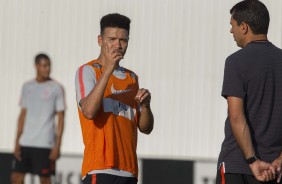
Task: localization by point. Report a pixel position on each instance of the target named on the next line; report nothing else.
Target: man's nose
(117, 43)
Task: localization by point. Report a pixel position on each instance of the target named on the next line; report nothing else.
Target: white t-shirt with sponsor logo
(42, 100)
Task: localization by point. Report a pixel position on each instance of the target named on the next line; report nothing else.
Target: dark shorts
(35, 161)
(227, 178)
(108, 179)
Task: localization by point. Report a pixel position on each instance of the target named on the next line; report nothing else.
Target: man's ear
(100, 40)
(244, 27)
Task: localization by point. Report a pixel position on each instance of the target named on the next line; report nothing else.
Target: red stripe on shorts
(81, 84)
(93, 181)
(222, 174)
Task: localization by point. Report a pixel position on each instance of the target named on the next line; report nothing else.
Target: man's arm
(239, 125)
(146, 121)
(90, 105)
(262, 171)
(55, 152)
(17, 151)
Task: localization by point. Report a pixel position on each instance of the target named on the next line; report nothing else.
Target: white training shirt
(42, 100)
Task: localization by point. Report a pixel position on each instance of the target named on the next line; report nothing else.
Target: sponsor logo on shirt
(117, 92)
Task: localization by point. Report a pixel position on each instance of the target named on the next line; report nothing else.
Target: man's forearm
(20, 125)
(146, 121)
(60, 129)
(242, 134)
(239, 125)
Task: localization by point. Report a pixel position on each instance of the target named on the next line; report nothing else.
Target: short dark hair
(252, 12)
(115, 20)
(40, 56)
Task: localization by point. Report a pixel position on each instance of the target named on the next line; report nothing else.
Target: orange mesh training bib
(110, 139)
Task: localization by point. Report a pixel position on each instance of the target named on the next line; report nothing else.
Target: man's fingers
(144, 97)
(142, 94)
(17, 154)
(267, 177)
(18, 157)
(107, 46)
(279, 177)
(272, 169)
(270, 172)
(278, 168)
(142, 91)
(52, 157)
(261, 177)
(113, 55)
(118, 57)
(271, 175)
(278, 172)
(139, 94)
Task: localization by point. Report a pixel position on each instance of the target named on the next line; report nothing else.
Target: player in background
(38, 139)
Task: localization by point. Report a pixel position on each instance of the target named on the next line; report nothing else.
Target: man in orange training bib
(111, 107)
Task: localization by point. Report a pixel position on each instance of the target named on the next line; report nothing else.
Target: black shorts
(227, 178)
(108, 179)
(35, 161)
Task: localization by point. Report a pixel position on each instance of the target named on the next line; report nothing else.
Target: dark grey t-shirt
(254, 74)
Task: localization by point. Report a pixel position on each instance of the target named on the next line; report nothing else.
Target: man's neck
(41, 79)
(256, 38)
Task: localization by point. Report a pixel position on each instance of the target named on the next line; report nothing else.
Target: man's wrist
(252, 159)
(108, 72)
(147, 106)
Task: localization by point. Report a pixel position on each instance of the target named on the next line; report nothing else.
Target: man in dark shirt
(251, 150)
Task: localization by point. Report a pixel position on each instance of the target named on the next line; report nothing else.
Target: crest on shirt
(133, 75)
(97, 65)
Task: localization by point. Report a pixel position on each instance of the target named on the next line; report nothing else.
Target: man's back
(254, 74)
(264, 98)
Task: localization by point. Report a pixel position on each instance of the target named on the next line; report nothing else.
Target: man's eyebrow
(117, 37)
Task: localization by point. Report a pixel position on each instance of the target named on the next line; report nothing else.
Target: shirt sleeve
(23, 98)
(233, 82)
(85, 80)
(60, 99)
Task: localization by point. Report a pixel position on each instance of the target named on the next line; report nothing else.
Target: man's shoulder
(238, 54)
(89, 66)
(239, 58)
(132, 74)
(56, 84)
(29, 82)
